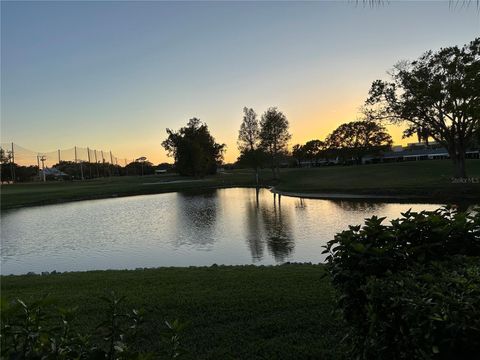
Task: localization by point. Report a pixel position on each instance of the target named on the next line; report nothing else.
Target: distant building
(53, 174)
(419, 151)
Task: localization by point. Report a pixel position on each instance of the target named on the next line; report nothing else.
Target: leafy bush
(27, 333)
(410, 290)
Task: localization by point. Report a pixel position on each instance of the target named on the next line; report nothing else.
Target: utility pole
(75, 154)
(38, 165)
(103, 163)
(12, 165)
(42, 159)
(89, 164)
(81, 170)
(59, 156)
(96, 162)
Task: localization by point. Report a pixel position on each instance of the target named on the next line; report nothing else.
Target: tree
(6, 171)
(274, 136)
(359, 138)
(438, 94)
(140, 167)
(194, 149)
(249, 133)
(314, 150)
(298, 152)
(248, 142)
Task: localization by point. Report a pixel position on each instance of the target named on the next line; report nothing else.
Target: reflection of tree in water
(358, 205)
(197, 215)
(255, 231)
(300, 204)
(278, 229)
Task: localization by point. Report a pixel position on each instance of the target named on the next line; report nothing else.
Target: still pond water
(228, 226)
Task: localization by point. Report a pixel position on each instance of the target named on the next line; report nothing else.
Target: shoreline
(44, 274)
(345, 196)
(306, 195)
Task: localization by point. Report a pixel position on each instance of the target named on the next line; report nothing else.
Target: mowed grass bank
(428, 180)
(38, 193)
(247, 312)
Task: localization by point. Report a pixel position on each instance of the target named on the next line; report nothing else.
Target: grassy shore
(427, 180)
(247, 312)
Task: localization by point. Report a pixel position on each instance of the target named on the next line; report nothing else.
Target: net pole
(96, 162)
(38, 164)
(12, 165)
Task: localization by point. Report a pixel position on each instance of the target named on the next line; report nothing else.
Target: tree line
(437, 96)
(350, 142)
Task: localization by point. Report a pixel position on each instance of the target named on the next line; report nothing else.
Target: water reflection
(197, 214)
(228, 226)
(363, 206)
(255, 230)
(280, 241)
(300, 204)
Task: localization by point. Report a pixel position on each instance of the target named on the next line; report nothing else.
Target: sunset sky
(114, 75)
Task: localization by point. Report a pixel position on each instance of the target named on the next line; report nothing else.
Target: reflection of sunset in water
(228, 226)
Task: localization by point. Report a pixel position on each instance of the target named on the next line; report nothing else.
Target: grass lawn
(428, 179)
(28, 194)
(420, 179)
(279, 312)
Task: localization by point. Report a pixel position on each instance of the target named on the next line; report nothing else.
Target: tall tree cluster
(350, 141)
(194, 149)
(264, 141)
(437, 96)
(359, 138)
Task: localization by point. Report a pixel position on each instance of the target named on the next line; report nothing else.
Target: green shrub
(396, 282)
(27, 333)
(428, 312)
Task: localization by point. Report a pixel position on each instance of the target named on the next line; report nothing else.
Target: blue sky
(114, 75)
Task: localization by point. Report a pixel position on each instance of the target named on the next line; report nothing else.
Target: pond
(225, 226)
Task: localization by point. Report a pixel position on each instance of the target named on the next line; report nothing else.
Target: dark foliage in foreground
(27, 333)
(410, 290)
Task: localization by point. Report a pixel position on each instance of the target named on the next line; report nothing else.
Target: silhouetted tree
(438, 93)
(298, 152)
(314, 150)
(88, 169)
(359, 138)
(249, 133)
(25, 173)
(274, 136)
(251, 154)
(138, 167)
(6, 171)
(195, 151)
